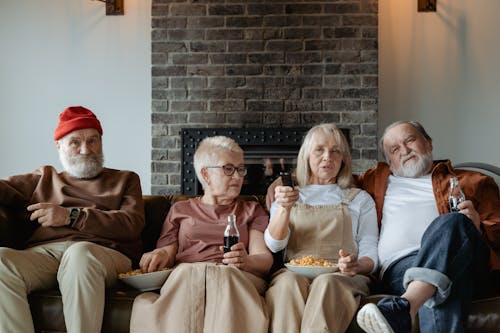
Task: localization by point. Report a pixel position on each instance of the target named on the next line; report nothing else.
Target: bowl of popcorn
(311, 266)
(145, 281)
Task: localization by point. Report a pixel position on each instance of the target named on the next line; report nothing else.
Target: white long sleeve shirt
(361, 209)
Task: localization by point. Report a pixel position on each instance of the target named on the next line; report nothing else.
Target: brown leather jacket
(480, 189)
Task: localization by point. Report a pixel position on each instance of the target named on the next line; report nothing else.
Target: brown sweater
(112, 210)
(480, 189)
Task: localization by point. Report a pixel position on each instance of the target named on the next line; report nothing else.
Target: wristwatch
(73, 215)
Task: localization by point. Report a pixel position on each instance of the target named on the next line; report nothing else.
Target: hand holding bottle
(237, 256)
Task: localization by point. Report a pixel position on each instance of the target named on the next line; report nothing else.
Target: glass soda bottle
(456, 195)
(231, 234)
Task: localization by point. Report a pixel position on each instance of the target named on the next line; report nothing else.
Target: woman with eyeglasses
(209, 290)
(328, 217)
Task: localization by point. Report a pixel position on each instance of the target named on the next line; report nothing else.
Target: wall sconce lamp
(427, 5)
(113, 7)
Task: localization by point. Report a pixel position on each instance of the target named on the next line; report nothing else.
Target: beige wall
(443, 69)
(56, 53)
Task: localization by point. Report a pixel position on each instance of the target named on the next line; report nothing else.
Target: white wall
(57, 53)
(443, 69)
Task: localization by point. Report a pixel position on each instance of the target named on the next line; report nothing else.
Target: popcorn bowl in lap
(145, 281)
(311, 266)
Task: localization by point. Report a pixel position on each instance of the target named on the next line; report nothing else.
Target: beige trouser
(326, 304)
(81, 269)
(203, 297)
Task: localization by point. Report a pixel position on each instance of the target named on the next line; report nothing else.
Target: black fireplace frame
(288, 140)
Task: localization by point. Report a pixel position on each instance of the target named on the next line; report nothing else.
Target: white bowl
(147, 281)
(311, 271)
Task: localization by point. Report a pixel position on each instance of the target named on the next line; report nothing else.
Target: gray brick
(314, 45)
(169, 47)
(159, 106)
(302, 33)
(263, 34)
(169, 118)
(319, 117)
(282, 93)
(369, 129)
(159, 130)
(322, 21)
(225, 10)
(205, 70)
(206, 94)
(244, 70)
(284, 45)
(342, 105)
(266, 58)
(170, 94)
(159, 83)
(206, 117)
(369, 32)
(159, 10)
(369, 154)
(303, 57)
(265, 9)
(245, 119)
(168, 71)
(158, 58)
(207, 46)
(321, 93)
(226, 82)
(188, 82)
(246, 46)
(245, 21)
(225, 34)
(282, 70)
(370, 81)
(227, 105)
(360, 20)
(228, 58)
(303, 9)
(369, 104)
(342, 32)
(342, 56)
(359, 44)
(303, 105)
(317, 69)
(360, 69)
(159, 179)
(205, 22)
(304, 81)
(342, 8)
(364, 142)
(169, 22)
(359, 93)
(333, 69)
(159, 167)
(165, 190)
(282, 21)
(188, 10)
(174, 179)
(187, 106)
(242, 93)
(369, 56)
(280, 119)
(265, 106)
(269, 82)
(186, 34)
(359, 117)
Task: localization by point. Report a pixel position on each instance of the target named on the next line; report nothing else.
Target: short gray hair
(303, 173)
(207, 153)
(418, 126)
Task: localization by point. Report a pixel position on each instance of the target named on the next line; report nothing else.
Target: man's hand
(49, 215)
(467, 208)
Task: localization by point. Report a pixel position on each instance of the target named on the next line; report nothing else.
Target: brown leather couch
(46, 306)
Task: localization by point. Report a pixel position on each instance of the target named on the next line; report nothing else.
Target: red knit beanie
(75, 118)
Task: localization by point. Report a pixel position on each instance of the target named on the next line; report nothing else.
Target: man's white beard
(82, 166)
(415, 169)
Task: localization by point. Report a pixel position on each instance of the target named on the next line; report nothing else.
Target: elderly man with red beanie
(89, 220)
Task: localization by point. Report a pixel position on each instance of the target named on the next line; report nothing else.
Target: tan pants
(203, 297)
(81, 269)
(326, 304)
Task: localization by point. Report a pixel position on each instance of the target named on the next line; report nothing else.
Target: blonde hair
(303, 172)
(207, 153)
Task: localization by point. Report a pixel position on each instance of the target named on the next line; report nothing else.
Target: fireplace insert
(268, 151)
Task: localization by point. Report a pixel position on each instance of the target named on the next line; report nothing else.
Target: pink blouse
(198, 228)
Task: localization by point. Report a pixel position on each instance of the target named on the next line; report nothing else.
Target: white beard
(82, 166)
(414, 169)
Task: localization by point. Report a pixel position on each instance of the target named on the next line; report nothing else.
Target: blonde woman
(325, 216)
(201, 295)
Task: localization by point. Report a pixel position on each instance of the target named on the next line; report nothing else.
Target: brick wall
(261, 63)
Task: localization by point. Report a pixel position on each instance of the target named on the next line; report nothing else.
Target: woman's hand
(286, 196)
(348, 263)
(157, 259)
(238, 256)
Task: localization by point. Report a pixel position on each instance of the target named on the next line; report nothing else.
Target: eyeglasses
(229, 169)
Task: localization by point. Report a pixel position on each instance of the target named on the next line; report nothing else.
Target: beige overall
(203, 297)
(329, 302)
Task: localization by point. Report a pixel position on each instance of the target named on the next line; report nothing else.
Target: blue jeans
(452, 257)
